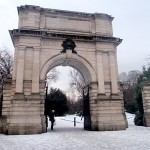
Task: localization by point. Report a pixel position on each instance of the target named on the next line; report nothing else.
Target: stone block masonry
(146, 102)
(38, 48)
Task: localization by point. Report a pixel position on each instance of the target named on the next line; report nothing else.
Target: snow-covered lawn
(67, 137)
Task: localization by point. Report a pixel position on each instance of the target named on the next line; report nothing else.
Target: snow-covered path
(67, 137)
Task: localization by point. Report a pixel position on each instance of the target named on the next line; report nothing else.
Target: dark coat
(52, 116)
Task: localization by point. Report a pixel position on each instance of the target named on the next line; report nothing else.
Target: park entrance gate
(47, 38)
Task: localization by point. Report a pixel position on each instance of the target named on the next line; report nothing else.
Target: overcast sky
(131, 23)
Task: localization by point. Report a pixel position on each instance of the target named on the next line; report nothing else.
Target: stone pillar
(15, 63)
(25, 116)
(20, 70)
(113, 75)
(42, 95)
(100, 74)
(110, 115)
(93, 105)
(146, 101)
(36, 70)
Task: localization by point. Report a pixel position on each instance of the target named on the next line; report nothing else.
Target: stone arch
(92, 52)
(75, 61)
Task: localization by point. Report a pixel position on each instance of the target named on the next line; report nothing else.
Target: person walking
(52, 118)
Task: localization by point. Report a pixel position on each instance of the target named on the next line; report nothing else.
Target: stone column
(116, 62)
(20, 70)
(36, 70)
(100, 74)
(146, 101)
(113, 75)
(15, 63)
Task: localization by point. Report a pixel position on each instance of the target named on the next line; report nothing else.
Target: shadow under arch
(75, 61)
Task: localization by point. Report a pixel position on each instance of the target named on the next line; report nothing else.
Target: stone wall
(6, 106)
(146, 101)
(26, 115)
(36, 17)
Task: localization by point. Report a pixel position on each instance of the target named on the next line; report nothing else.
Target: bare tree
(77, 81)
(52, 75)
(74, 106)
(130, 79)
(6, 61)
(129, 84)
(133, 76)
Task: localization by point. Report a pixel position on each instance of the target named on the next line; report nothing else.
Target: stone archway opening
(68, 113)
(75, 63)
(66, 78)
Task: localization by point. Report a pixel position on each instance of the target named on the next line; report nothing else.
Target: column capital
(99, 52)
(21, 47)
(111, 52)
(37, 48)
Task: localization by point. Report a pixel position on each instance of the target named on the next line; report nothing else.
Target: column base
(3, 125)
(147, 119)
(22, 129)
(108, 115)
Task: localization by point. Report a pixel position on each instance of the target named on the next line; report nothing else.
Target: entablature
(47, 34)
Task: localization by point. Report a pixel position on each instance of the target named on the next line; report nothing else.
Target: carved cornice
(47, 34)
(63, 12)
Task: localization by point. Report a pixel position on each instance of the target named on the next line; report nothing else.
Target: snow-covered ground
(67, 137)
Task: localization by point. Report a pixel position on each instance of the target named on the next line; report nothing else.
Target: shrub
(131, 106)
(138, 120)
